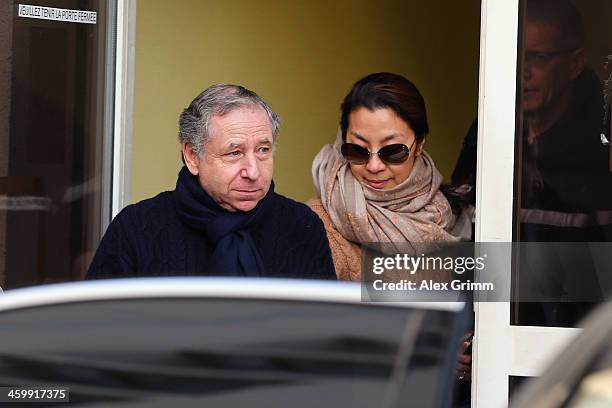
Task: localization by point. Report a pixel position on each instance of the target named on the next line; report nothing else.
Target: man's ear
(191, 158)
(578, 63)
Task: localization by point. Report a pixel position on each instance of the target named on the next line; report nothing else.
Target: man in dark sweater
(223, 218)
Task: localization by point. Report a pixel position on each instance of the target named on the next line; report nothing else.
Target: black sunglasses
(390, 154)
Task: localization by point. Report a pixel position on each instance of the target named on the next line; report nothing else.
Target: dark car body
(228, 343)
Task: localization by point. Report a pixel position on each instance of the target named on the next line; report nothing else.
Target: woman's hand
(464, 358)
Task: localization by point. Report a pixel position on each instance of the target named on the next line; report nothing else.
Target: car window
(595, 390)
(217, 352)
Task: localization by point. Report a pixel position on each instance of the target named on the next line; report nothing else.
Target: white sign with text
(58, 14)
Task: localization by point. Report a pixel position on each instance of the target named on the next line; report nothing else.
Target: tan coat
(346, 254)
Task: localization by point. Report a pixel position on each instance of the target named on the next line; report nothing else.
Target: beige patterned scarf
(410, 216)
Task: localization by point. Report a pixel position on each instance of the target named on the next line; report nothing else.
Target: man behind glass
(565, 181)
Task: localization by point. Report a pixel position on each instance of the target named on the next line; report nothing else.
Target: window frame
(500, 349)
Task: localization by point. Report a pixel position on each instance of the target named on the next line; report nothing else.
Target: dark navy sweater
(149, 239)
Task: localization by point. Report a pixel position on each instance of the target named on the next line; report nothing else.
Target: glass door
(54, 137)
(543, 182)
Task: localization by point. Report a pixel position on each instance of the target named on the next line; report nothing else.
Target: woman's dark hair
(393, 91)
(387, 90)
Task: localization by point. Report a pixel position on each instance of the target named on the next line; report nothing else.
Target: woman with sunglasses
(376, 183)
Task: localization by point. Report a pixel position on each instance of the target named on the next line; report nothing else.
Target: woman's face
(373, 130)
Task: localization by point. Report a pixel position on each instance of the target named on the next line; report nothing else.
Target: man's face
(236, 166)
(549, 68)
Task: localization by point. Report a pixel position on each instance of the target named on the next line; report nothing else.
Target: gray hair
(194, 122)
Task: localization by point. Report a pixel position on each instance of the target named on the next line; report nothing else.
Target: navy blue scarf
(235, 253)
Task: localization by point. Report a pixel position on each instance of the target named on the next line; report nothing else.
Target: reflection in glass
(594, 387)
(563, 166)
(51, 135)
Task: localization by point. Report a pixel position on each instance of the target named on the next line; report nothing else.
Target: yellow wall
(302, 57)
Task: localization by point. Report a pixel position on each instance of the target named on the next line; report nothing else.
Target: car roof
(208, 287)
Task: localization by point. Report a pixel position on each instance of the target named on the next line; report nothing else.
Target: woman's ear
(420, 147)
(191, 158)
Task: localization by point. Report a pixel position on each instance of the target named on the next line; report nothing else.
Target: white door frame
(123, 109)
(501, 350)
